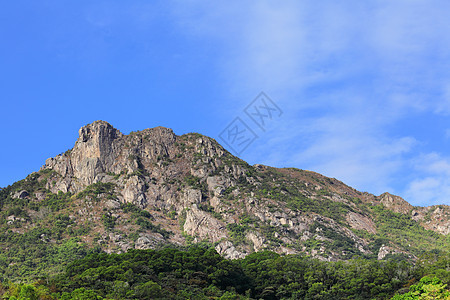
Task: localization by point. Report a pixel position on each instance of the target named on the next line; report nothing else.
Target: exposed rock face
(190, 197)
(102, 150)
(361, 222)
(21, 195)
(436, 217)
(257, 240)
(148, 241)
(96, 152)
(385, 250)
(134, 191)
(11, 219)
(228, 250)
(201, 224)
(395, 203)
(193, 188)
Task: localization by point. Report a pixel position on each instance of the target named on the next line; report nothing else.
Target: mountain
(152, 188)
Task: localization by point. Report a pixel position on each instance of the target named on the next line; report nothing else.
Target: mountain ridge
(152, 187)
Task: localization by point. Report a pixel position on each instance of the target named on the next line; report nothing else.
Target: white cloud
(433, 183)
(429, 191)
(433, 163)
(344, 73)
(443, 106)
(423, 191)
(350, 149)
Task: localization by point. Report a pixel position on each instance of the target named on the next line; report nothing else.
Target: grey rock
(112, 204)
(21, 195)
(201, 224)
(228, 250)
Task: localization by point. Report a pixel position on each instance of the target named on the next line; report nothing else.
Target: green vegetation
(201, 273)
(31, 255)
(55, 202)
(279, 187)
(406, 232)
(35, 236)
(427, 288)
(146, 224)
(109, 221)
(195, 183)
(94, 190)
(237, 232)
(338, 242)
(324, 207)
(35, 182)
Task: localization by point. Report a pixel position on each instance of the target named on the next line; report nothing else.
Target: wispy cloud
(432, 185)
(347, 74)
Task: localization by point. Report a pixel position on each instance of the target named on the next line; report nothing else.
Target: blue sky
(364, 86)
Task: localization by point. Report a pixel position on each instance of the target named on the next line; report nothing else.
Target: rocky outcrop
(190, 197)
(202, 225)
(21, 195)
(96, 152)
(385, 250)
(360, 222)
(133, 191)
(11, 219)
(257, 240)
(148, 241)
(101, 150)
(228, 250)
(395, 203)
(436, 218)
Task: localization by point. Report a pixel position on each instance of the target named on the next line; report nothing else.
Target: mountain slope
(150, 188)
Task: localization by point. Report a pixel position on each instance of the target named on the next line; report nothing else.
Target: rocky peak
(95, 147)
(395, 203)
(153, 142)
(98, 136)
(101, 149)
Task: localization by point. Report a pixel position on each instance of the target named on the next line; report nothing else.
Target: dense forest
(199, 272)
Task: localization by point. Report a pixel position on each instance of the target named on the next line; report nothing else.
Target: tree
(148, 290)
(428, 288)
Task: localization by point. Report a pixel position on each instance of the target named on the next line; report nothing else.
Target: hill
(152, 189)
